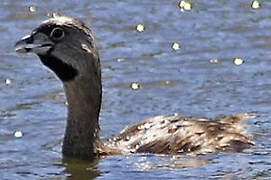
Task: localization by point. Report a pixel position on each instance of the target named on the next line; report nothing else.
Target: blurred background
(208, 58)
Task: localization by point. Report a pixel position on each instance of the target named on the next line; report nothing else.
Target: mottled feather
(183, 135)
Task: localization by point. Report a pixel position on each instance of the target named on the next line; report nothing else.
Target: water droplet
(214, 61)
(120, 59)
(185, 5)
(140, 27)
(8, 81)
(255, 4)
(32, 9)
(18, 134)
(175, 46)
(238, 61)
(135, 85)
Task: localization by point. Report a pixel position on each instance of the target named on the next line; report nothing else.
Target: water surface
(182, 81)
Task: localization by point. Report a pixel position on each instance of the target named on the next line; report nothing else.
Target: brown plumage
(183, 135)
(68, 48)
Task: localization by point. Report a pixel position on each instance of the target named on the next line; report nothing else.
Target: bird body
(176, 134)
(67, 47)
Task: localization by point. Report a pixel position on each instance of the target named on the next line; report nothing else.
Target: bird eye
(57, 34)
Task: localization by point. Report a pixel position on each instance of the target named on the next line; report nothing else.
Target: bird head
(65, 45)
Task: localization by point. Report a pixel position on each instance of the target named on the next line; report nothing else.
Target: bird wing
(184, 135)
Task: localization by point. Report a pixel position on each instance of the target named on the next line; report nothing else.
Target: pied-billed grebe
(68, 48)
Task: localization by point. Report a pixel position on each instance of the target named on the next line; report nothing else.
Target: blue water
(182, 81)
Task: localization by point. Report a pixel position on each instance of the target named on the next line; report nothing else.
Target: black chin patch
(64, 71)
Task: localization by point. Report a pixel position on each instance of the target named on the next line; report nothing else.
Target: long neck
(84, 100)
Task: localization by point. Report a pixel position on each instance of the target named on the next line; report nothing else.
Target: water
(183, 81)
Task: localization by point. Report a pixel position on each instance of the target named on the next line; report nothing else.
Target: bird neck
(82, 130)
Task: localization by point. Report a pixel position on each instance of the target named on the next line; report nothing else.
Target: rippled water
(182, 81)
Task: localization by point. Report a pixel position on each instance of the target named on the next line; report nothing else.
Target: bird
(67, 47)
